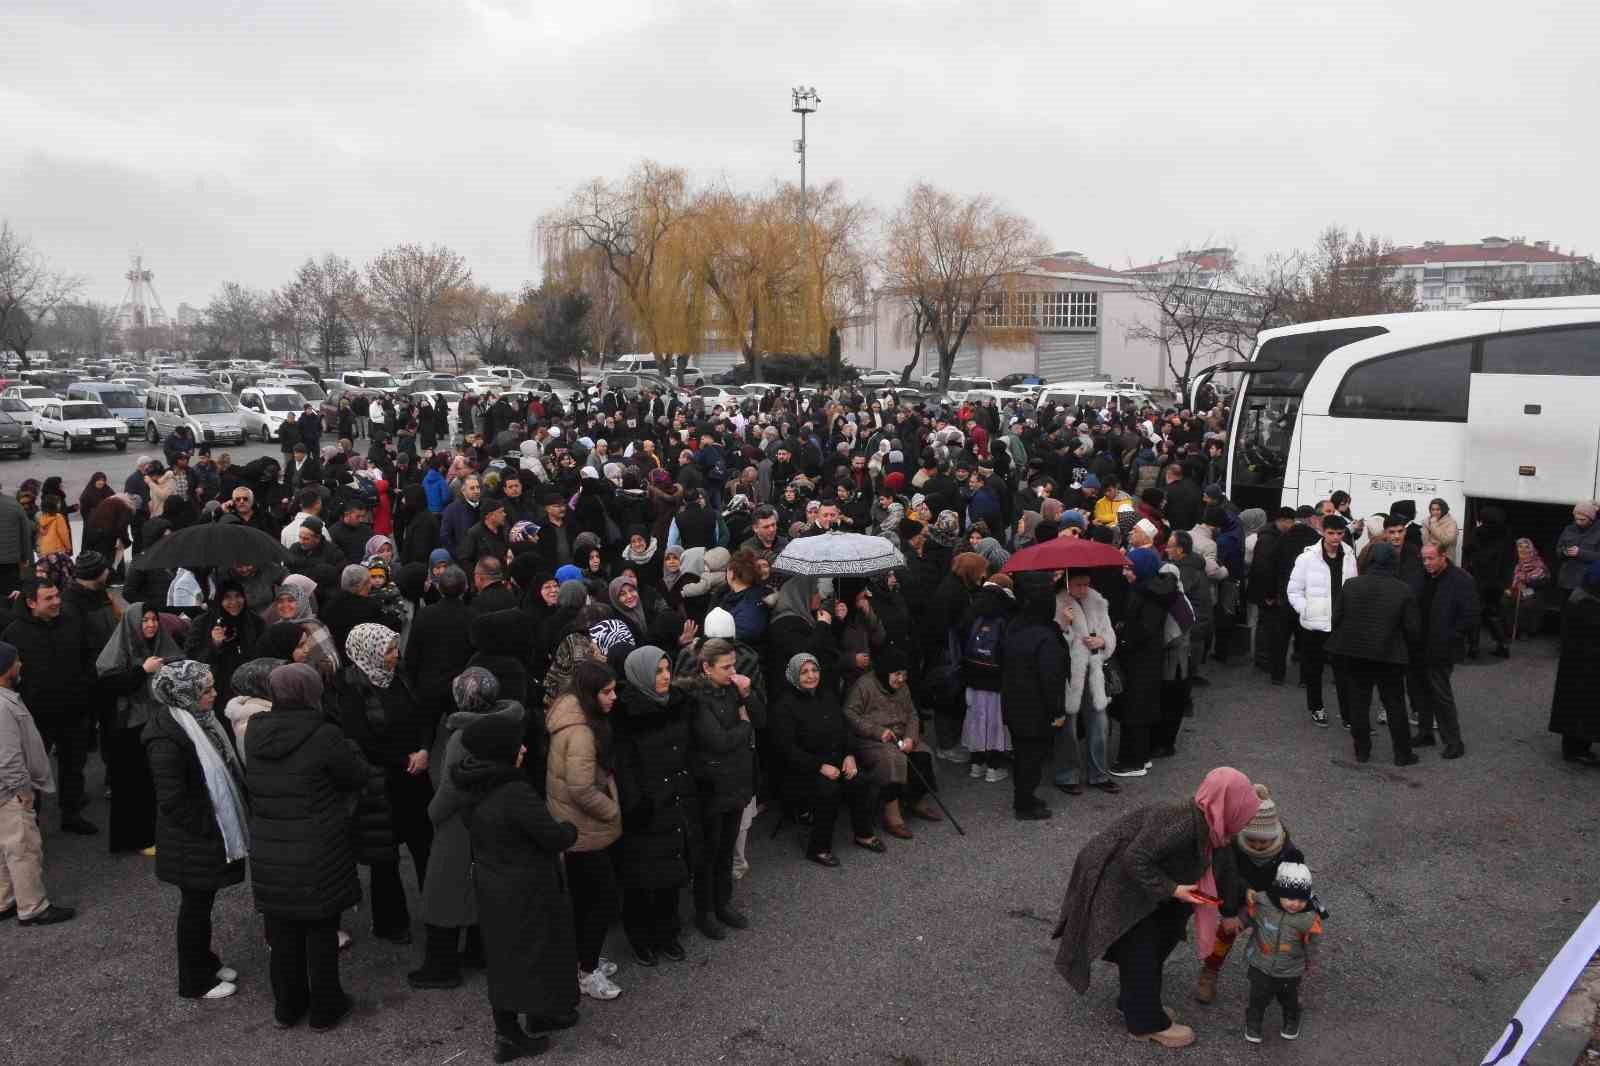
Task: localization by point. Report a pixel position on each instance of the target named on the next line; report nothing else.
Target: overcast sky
(229, 141)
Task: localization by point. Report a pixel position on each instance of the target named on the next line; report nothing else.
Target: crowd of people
(554, 660)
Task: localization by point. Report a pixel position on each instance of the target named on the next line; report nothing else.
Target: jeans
(1264, 989)
(1140, 954)
(713, 877)
(592, 881)
(305, 968)
(1070, 754)
(197, 963)
(1389, 679)
(1433, 697)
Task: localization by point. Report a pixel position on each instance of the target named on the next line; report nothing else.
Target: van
(1097, 394)
(208, 413)
(122, 401)
(646, 363)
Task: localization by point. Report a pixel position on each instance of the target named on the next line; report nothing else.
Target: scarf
(640, 558)
(126, 651)
(791, 672)
(179, 687)
(295, 586)
(1228, 800)
(1533, 571)
(368, 646)
(635, 616)
(794, 600)
(640, 669)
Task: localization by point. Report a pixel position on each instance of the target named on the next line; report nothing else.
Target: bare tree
(29, 290)
(237, 319)
(913, 326)
(1197, 312)
(1273, 292)
(1351, 274)
(364, 318)
(83, 328)
(410, 283)
(1578, 277)
(963, 261)
(323, 291)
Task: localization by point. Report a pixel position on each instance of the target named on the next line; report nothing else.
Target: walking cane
(1516, 608)
(911, 763)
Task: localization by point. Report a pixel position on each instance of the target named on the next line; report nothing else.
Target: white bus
(1496, 403)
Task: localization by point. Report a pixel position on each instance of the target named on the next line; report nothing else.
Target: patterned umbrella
(836, 554)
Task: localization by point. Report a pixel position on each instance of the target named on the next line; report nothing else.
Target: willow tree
(834, 237)
(959, 263)
(748, 251)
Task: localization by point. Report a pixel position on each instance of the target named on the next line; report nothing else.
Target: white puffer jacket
(1311, 589)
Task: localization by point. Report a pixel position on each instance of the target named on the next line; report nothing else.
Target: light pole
(805, 103)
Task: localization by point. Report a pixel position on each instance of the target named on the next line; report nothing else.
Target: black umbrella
(211, 544)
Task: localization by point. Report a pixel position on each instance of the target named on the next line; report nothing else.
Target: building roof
(1205, 259)
(1054, 264)
(1488, 250)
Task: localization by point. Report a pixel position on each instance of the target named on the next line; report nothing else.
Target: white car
(35, 396)
(20, 411)
(79, 424)
(716, 395)
(1001, 397)
(877, 377)
(482, 383)
(263, 409)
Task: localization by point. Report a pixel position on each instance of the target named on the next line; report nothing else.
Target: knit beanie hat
(1294, 876)
(495, 738)
(719, 623)
(1263, 835)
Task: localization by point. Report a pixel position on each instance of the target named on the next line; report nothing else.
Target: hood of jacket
(285, 730)
(991, 600)
(459, 720)
(564, 713)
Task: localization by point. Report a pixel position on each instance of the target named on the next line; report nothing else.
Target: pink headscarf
(1228, 800)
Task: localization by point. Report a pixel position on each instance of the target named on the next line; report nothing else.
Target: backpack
(718, 470)
(982, 648)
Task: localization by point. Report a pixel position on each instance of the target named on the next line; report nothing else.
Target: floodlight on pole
(806, 101)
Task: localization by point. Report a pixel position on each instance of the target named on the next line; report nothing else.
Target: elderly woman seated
(886, 741)
(811, 735)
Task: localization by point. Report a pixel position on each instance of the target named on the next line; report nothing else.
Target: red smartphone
(1211, 901)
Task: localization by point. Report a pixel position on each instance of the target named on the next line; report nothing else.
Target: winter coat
(991, 602)
(481, 541)
(459, 517)
(791, 635)
(749, 610)
(1375, 619)
(1574, 712)
(1311, 586)
(247, 630)
(16, 532)
(722, 746)
(189, 850)
(577, 788)
(524, 910)
(436, 490)
(660, 803)
(1142, 646)
(1281, 944)
(1237, 871)
(449, 899)
(1570, 573)
(870, 708)
(1092, 617)
(54, 683)
(1033, 676)
(1441, 532)
(301, 775)
(1122, 875)
(1262, 584)
(809, 731)
(1452, 617)
(1201, 592)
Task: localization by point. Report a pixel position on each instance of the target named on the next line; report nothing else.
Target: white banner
(1559, 977)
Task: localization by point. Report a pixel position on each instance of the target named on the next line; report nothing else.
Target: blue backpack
(982, 648)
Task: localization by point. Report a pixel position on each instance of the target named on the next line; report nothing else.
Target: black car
(14, 438)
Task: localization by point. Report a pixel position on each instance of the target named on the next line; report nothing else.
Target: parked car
(637, 363)
(15, 437)
(35, 396)
(20, 411)
(78, 424)
(122, 401)
(314, 394)
(263, 409)
(207, 412)
(729, 397)
(375, 380)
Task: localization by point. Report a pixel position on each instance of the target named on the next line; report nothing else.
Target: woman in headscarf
(252, 695)
(624, 595)
(295, 602)
(96, 492)
(449, 905)
(801, 624)
(1529, 577)
(1439, 528)
(107, 528)
(642, 553)
(812, 737)
(886, 740)
(127, 664)
(381, 546)
(1141, 652)
(302, 775)
(202, 837)
(379, 711)
(580, 788)
(674, 578)
(660, 804)
(1133, 888)
(571, 597)
(224, 636)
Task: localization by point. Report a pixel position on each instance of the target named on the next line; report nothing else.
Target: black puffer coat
(1141, 647)
(808, 731)
(365, 715)
(301, 774)
(723, 758)
(660, 804)
(523, 906)
(1034, 663)
(189, 850)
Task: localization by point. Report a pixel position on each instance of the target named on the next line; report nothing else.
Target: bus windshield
(1268, 405)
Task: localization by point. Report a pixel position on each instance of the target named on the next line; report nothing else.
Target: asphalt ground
(1451, 885)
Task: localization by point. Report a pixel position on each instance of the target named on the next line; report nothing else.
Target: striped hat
(1263, 835)
(1294, 876)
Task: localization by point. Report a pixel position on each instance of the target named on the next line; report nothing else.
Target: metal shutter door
(1069, 356)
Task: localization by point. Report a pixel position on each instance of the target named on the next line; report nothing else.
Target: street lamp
(805, 103)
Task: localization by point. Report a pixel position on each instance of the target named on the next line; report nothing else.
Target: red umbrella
(1065, 553)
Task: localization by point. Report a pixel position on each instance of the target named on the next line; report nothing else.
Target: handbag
(1111, 671)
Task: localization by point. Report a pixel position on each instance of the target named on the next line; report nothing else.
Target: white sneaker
(740, 868)
(1383, 717)
(975, 771)
(955, 754)
(222, 990)
(596, 985)
(345, 940)
(228, 973)
(607, 967)
(995, 773)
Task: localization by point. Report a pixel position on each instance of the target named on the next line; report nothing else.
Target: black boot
(511, 1042)
(441, 967)
(472, 955)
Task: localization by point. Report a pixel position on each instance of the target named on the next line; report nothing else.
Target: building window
(1045, 310)
(1452, 292)
(1425, 385)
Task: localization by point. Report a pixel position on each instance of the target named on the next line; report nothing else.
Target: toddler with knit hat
(1249, 863)
(1284, 928)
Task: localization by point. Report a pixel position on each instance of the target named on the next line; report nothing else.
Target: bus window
(1426, 385)
(1261, 451)
(1570, 352)
(1298, 356)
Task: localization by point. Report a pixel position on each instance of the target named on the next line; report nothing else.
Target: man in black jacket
(440, 643)
(1449, 613)
(1374, 623)
(487, 538)
(352, 531)
(1033, 686)
(1183, 506)
(55, 687)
